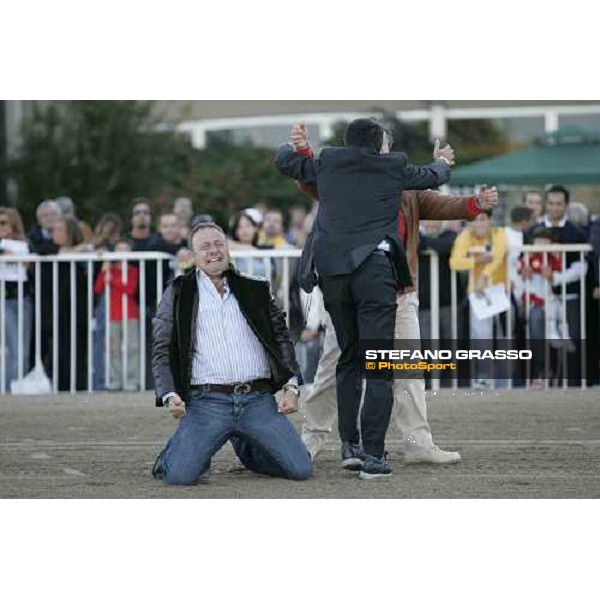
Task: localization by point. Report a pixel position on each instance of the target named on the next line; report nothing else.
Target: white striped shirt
(226, 350)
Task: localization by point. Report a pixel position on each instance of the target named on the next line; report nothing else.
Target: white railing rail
(65, 284)
(581, 250)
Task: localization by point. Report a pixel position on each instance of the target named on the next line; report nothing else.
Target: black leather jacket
(175, 326)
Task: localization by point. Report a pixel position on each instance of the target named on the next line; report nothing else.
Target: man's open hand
(446, 152)
(488, 198)
(299, 136)
(288, 403)
(176, 407)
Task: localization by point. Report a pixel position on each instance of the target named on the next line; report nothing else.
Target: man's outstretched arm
(434, 206)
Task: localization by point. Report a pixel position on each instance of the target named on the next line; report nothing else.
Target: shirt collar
(203, 279)
(561, 223)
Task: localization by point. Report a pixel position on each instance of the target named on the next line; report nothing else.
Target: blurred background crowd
(72, 185)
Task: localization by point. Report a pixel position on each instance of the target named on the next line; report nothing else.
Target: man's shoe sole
(424, 461)
(371, 476)
(353, 464)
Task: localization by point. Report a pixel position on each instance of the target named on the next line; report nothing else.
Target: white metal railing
(274, 264)
(581, 250)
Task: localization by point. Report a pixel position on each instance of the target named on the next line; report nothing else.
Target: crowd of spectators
(481, 252)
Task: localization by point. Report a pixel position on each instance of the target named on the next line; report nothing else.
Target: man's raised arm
(296, 159)
(434, 174)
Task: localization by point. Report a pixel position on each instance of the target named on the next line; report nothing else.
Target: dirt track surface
(514, 445)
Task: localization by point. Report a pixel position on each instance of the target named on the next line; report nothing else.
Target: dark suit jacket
(358, 190)
(175, 330)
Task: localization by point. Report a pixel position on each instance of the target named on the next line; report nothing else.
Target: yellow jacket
(462, 257)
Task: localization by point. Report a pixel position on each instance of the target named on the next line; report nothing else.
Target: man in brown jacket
(409, 394)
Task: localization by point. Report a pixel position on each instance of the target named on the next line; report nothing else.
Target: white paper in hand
(492, 301)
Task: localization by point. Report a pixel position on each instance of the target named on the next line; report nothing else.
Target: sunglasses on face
(141, 211)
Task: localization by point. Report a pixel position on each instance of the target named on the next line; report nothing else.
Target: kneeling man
(221, 350)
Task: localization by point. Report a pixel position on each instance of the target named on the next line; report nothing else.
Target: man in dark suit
(361, 263)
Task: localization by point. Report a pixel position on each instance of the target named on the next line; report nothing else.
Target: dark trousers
(362, 305)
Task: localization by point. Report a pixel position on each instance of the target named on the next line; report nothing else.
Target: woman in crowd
(68, 239)
(13, 276)
(480, 249)
(245, 233)
(106, 234)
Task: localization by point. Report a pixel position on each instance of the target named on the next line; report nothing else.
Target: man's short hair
(559, 189)
(364, 133)
(274, 209)
(142, 200)
(44, 203)
(520, 213)
(202, 226)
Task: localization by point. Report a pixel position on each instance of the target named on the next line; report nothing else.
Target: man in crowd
(296, 233)
(183, 209)
(221, 350)
(40, 235)
(169, 240)
(143, 239)
(437, 236)
(559, 225)
(361, 264)
(141, 225)
(272, 230)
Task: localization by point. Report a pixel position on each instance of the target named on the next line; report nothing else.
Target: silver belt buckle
(242, 388)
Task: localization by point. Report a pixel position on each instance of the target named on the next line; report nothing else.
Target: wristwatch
(292, 388)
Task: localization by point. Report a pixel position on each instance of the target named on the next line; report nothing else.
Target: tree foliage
(103, 154)
(100, 153)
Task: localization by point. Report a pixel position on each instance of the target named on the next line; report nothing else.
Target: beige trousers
(320, 409)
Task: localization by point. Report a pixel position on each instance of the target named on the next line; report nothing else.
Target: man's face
(47, 217)
(273, 224)
(210, 251)
(534, 202)
(183, 209)
(297, 216)
(141, 216)
(556, 206)
(170, 229)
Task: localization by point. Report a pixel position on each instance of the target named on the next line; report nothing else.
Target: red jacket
(118, 289)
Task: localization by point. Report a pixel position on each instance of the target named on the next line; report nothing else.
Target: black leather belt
(258, 385)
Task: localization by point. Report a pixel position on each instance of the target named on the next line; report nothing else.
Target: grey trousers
(320, 407)
(118, 379)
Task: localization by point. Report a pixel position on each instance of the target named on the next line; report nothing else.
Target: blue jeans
(264, 440)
